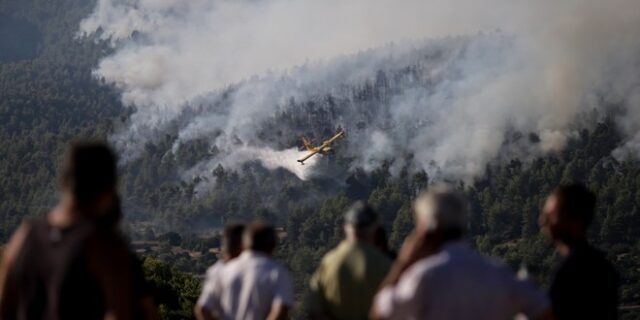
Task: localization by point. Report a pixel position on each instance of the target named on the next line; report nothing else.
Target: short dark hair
(260, 236)
(89, 170)
(361, 215)
(576, 202)
(232, 239)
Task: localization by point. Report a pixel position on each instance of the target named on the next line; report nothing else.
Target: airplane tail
(307, 143)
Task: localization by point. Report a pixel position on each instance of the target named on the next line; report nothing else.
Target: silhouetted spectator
(585, 285)
(382, 243)
(348, 277)
(437, 276)
(72, 263)
(231, 249)
(253, 285)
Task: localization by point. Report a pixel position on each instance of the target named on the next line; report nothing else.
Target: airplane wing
(334, 138)
(311, 154)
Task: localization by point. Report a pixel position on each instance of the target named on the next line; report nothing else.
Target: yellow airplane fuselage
(324, 148)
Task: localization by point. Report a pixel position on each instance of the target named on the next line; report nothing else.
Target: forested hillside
(48, 97)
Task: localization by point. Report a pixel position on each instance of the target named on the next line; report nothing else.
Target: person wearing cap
(348, 277)
(438, 276)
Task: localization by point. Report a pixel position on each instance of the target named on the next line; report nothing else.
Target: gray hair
(441, 207)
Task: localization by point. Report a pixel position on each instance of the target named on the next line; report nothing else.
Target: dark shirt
(585, 286)
(61, 274)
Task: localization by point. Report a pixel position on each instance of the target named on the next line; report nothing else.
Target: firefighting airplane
(323, 149)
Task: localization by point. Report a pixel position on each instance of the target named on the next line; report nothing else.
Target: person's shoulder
(26, 226)
(229, 266)
(30, 227)
(378, 257)
(251, 261)
(598, 261)
(270, 265)
(446, 261)
(430, 265)
(589, 257)
(16, 243)
(336, 254)
(103, 245)
(496, 267)
(470, 256)
(108, 237)
(333, 253)
(215, 268)
(262, 265)
(596, 255)
(277, 265)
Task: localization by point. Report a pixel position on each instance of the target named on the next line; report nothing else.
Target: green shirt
(348, 278)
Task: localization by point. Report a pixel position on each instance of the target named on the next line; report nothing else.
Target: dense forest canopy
(48, 98)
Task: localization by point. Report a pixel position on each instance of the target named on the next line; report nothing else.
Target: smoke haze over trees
(187, 66)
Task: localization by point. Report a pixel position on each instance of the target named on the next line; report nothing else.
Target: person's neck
(451, 242)
(564, 247)
(259, 252)
(353, 239)
(228, 257)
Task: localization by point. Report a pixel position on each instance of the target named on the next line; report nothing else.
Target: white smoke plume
(270, 159)
(224, 68)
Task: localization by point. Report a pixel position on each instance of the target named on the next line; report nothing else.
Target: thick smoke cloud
(222, 69)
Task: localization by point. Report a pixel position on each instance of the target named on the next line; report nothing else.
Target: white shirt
(207, 297)
(459, 283)
(248, 286)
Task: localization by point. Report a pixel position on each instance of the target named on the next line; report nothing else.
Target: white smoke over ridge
(560, 59)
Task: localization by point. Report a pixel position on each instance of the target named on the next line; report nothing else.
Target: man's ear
(348, 230)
